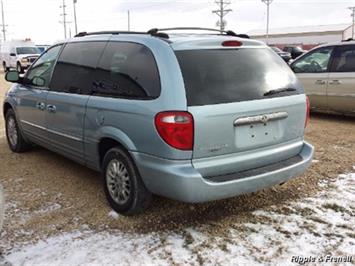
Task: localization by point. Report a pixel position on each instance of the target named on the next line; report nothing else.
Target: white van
(18, 54)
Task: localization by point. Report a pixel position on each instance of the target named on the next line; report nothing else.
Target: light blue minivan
(193, 117)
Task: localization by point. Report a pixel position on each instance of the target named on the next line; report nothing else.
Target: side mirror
(12, 54)
(12, 76)
(38, 82)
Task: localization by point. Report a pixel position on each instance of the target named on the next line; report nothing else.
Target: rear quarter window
(127, 70)
(233, 75)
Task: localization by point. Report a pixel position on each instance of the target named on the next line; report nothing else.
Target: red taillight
(176, 129)
(232, 43)
(308, 112)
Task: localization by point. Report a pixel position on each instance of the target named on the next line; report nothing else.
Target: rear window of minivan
(214, 76)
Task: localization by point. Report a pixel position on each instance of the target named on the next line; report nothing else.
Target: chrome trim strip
(63, 135)
(52, 131)
(341, 95)
(33, 125)
(316, 94)
(260, 119)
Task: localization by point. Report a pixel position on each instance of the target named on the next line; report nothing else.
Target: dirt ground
(47, 194)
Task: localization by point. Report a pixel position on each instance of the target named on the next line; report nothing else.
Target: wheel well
(7, 107)
(105, 144)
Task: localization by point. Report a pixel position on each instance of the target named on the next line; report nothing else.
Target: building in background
(306, 36)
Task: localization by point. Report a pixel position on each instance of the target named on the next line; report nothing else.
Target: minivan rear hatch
(244, 100)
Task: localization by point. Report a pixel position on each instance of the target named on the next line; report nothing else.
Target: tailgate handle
(320, 82)
(260, 119)
(335, 82)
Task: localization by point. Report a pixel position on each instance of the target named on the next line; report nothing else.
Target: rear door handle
(51, 108)
(320, 82)
(41, 106)
(242, 121)
(335, 82)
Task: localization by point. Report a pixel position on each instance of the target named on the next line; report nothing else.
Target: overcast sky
(39, 19)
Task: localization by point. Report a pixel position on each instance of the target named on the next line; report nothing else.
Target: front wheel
(14, 136)
(124, 188)
(19, 68)
(5, 68)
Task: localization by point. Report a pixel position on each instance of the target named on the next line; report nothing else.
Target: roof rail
(348, 40)
(156, 31)
(84, 33)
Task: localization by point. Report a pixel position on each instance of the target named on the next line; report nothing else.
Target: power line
(353, 15)
(268, 3)
(129, 20)
(64, 19)
(221, 13)
(75, 21)
(3, 21)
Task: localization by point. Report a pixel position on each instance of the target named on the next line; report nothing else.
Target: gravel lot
(48, 195)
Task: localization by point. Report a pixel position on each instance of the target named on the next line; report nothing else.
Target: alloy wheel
(12, 131)
(118, 181)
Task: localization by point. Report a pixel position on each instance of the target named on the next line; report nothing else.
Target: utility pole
(221, 13)
(3, 22)
(75, 21)
(268, 3)
(129, 20)
(64, 19)
(353, 15)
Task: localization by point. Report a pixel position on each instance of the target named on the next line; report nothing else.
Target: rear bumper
(181, 181)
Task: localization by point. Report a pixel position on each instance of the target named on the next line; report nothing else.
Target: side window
(127, 70)
(314, 62)
(75, 69)
(344, 59)
(42, 68)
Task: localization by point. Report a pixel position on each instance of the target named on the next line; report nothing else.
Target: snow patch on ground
(50, 208)
(316, 226)
(114, 215)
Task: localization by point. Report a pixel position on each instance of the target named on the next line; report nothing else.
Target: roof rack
(348, 40)
(84, 33)
(156, 31)
(157, 34)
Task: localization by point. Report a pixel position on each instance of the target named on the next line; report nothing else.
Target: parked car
(328, 76)
(295, 51)
(2, 206)
(191, 117)
(42, 48)
(18, 55)
(286, 56)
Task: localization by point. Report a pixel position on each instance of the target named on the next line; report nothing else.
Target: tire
(19, 68)
(14, 136)
(123, 186)
(5, 68)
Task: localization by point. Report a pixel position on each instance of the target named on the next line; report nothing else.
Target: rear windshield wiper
(271, 92)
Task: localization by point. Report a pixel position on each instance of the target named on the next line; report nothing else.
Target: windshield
(234, 75)
(27, 50)
(276, 49)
